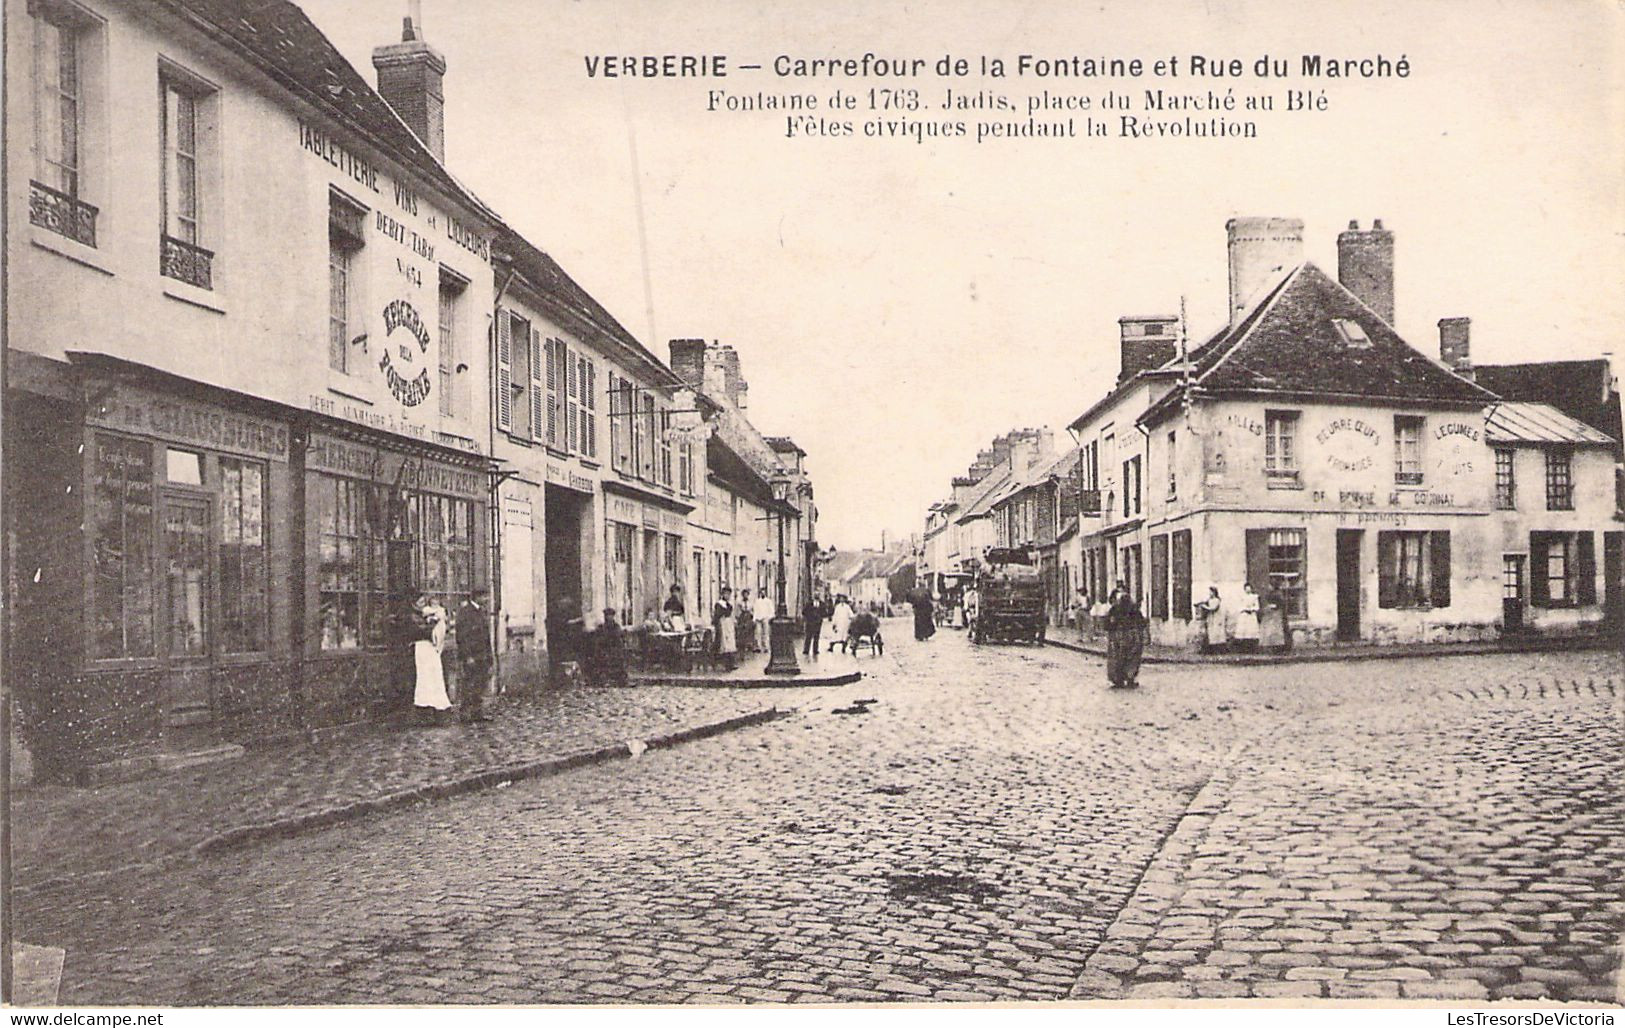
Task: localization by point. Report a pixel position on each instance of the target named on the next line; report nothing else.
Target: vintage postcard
(529, 503)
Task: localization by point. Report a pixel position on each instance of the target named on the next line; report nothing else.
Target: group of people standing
(736, 630)
(426, 628)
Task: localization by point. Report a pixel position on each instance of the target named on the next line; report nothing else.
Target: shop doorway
(188, 613)
(1349, 542)
(562, 513)
(1512, 592)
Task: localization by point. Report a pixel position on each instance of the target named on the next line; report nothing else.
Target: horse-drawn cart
(1011, 599)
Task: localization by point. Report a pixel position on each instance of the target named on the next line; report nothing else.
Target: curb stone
(1332, 655)
(1106, 975)
(288, 827)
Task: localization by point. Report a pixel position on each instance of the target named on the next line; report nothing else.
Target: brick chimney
(1365, 266)
(1146, 342)
(410, 78)
(688, 361)
(1454, 350)
(1262, 251)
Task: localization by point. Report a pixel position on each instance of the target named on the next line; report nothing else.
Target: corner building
(248, 411)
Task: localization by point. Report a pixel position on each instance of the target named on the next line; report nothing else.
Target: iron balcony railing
(56, 211)
(186, 262)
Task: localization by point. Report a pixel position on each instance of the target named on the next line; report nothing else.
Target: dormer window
(1353, 335)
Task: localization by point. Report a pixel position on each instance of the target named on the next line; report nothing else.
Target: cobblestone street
(995, 825)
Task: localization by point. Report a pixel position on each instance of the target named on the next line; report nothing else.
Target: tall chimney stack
(1365, 266)
(1146, 342)
(688, 361)
(1262, 251)
(411, 76)
(1453, 345)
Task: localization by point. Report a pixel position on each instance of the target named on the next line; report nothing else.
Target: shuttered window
(587, 406)
(504, 372)
(1159, 576)
(1413, 570)
(543, 392)
(1562, 569)
(1277, 559)
(572, 397)
(1181, 574)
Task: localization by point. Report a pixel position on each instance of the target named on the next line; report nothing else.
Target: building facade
(1370, 492)
(248, 389)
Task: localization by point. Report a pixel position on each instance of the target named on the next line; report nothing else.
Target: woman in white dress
(1247, 620)
(430, 695)
(839, 622)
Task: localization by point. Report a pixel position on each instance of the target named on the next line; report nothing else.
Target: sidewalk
(830, 669)
(60, 832)
(1072, 639)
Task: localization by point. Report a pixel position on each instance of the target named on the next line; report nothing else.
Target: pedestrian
(566, 641)
(1246, 638)
(674, 610)
(839, 621)
(1125, 639)
(763, 610)
(972, 605)
(428, 634)
(745, 623)
(722, 623)
(1212, 611)
(924, 623)
(813, 613)
(608, 649)
(474, 657)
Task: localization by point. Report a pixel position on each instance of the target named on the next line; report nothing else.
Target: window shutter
(504, 372)
(1387, 570)
(1439, 568)
(1258, 558)
(572, 397)
(1182, 575)
(1540, 590)
(543, 420)
(589, 393)
(1585, 591)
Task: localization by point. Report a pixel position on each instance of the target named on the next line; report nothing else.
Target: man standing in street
(763, 608)
(473, 656)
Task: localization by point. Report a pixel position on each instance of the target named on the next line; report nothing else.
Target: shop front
(644, 542)
(386, 522)
(155, 535)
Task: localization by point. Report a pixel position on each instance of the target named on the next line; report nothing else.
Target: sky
(896, 305)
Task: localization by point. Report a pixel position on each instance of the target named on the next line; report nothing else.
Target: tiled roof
(1581, 389)
(992, 486)
(731, 470)
(554, 283)
(280, 39)
(1514, 422)
(1312, 337)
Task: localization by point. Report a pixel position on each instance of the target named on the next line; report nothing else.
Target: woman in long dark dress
(1125, 640)
(925, 625)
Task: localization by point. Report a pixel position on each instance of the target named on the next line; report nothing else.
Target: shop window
(186, 566)
(1159, 577)
(122, 527)
(443, 527)
(1559, 480)
(242, 556)
(1562, 569)
(63, 38)
(1277, 560)
(1407, 450)
(346, 228)
(183, 467)
(188, 111)
(1181, 574)
(1413, 570)
(346, 533)
(1281, 447)
(1506, 493)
